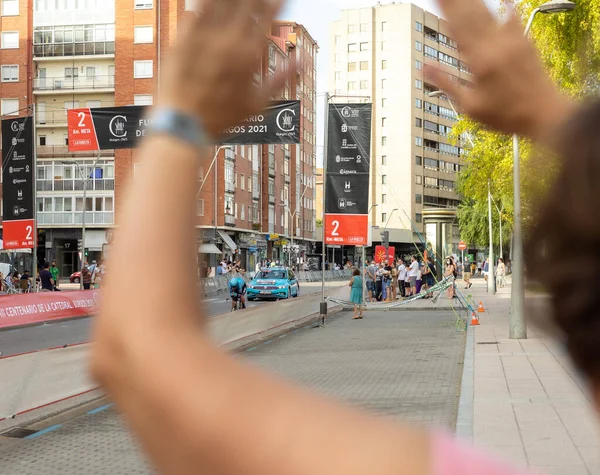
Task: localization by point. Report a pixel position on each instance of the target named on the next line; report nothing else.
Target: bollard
(322, 314)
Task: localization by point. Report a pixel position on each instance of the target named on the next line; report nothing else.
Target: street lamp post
(81, 168)
(491, 283)
(517, 327)
(364, 272)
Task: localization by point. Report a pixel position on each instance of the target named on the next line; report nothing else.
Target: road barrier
(41, 379)
(27, 309)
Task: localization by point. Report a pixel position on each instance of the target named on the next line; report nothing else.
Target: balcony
(54, 85)
(255, 194)
(229, 220)
(229, 187)
(62, 151)
(97, 218)
(58, 50)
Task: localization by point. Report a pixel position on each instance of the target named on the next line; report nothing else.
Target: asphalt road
(72, 332)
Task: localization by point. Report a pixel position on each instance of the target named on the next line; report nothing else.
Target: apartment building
(378, 54)
(61, 54)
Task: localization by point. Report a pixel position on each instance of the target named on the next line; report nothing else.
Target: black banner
(348, 158)
(17, 167)
(279, 123)
(119, 127)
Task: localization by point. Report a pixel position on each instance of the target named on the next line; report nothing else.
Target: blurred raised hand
(511, 91)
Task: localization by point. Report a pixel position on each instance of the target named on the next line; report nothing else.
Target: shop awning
(208, 249)
(227, 240)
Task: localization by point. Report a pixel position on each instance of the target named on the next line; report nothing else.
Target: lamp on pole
(364, 272)
(85, 178)
(491, 283)
(216, 195)
(385, 235)
(517, 327)
(293, 216)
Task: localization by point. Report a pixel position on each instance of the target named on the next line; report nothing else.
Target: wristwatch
(179, 125)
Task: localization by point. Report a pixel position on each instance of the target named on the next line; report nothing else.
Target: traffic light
(385, 239)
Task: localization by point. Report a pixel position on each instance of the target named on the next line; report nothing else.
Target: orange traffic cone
(474, 319)
(481, 309)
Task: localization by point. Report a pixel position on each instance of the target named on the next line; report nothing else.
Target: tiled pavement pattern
(404, 364)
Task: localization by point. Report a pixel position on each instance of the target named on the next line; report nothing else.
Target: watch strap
(179, 125)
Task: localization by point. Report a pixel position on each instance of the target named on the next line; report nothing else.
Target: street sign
(462, 246)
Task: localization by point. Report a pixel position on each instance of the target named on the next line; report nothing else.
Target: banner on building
(109, 128)
(17, 187)
(348, 174)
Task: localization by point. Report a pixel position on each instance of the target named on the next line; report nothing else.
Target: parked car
(75, 277)
(273, 283)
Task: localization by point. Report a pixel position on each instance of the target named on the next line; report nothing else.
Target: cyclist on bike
(237, 291)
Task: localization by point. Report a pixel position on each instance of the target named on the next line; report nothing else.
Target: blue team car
(273, 283)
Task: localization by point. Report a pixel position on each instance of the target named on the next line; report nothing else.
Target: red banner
(347, 229)
(82, 133)
(27, 309)
(18, 234)
(380, 254)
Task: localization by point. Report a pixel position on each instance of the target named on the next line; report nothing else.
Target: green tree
(569, 46)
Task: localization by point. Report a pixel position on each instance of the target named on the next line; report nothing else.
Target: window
(418, 64)
(10, 73)
(419, 218)
(143, 100)
(10, 39)
(384, 179)
(431, 52)
(364, 84)
(351, 67)
(242, 182)
(364, 65)
(10, 7)
(384, 159)
(141, 5)
(384, 26)
(418, 179)
(418, 199)
(418, 26)
(143, 34)
(383, 83)
(71, 105)
(383, 121)
(364, 27)
(384, 64)
(352, 47)
(384, 217)
(383, 102)
(338, 75)
(418, 84)
(200, 208)
(419, 141)
(364, 46)
(143, 69)
(418, 46)
(71, 73)
(418, 103)
(384, 141)
(351, 28)
(383, 45)
(338, 40)
(418, 122)
(418, 160)
(352, 85)
(383, 199)
(10, 107)
(431, 182)
(42, 140)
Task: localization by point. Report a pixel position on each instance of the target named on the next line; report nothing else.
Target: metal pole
(364, 276)
(501, 249)
(216, 197)
(517, 327)
(81, 173)
(491, 278)
(324, 253)
(35, 227)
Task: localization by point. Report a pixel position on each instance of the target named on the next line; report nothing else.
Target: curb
(465, 418)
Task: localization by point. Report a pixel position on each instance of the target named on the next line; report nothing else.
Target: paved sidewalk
(527, 402)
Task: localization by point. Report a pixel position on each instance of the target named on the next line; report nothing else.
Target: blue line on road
(45, 431)
(102, 408)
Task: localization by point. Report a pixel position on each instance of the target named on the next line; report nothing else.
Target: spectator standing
(55, 274)
(46, 279)
(450, 272)
(413, 272)
(86, 277)
(425, 271)
(356, 294)
(467, 275)
(101, 274)
(24, 283)
(370, 276)
(402, 277)
(419, 277)
(501, 274)
(394, 288)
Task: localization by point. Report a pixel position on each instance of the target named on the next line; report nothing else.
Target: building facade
(61, 54)
(379, 53)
